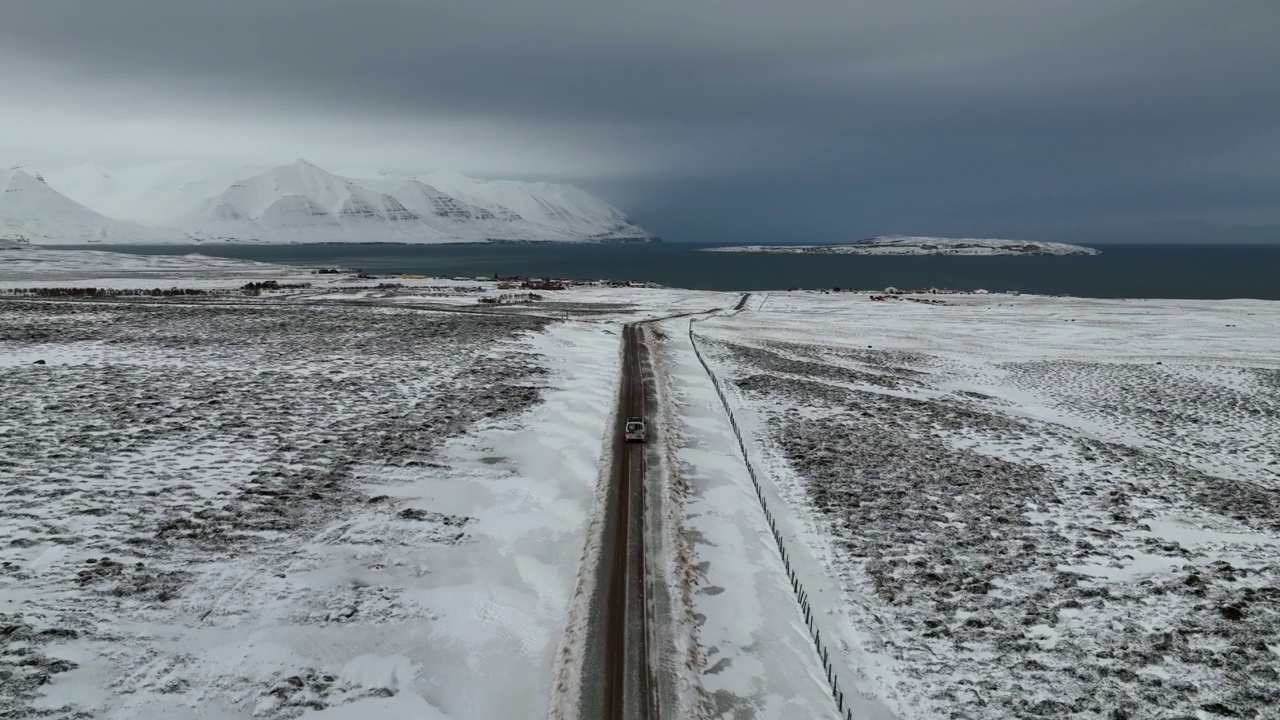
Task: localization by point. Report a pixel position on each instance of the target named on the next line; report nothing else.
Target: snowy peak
(30, 209)
(302, 202)
(18, 180)
(298, 202)
(157, 194)
(20, 174)
(299, 186)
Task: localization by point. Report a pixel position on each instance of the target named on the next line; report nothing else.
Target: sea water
(1136, 271)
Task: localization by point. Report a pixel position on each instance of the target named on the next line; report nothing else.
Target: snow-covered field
(339, 501)
(1034, 507)
(29, 266)
(233, 510)
(346, 501)
(738, 643)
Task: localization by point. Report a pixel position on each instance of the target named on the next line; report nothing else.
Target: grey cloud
(852, 115)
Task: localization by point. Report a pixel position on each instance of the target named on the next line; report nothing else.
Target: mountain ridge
(32, 210)
(300, 202)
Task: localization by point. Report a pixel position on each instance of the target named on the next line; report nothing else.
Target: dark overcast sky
(726, 120)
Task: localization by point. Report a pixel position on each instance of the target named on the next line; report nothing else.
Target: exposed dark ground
(1019, 568)
(157, 441)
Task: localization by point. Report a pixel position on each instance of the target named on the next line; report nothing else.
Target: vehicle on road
(634, 430)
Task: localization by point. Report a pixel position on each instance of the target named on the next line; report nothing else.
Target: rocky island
(911, 245)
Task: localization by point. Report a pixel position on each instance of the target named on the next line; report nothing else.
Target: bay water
(1133, 271)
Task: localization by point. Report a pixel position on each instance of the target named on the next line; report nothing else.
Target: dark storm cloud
(819, 119)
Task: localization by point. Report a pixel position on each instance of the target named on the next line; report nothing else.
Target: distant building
(543, 285)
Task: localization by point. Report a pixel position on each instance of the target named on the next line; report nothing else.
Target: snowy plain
(303, 503)
(29, 266)
(739, 642)
(347, 501)
(1034, 507)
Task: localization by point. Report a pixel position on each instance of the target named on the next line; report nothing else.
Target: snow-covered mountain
(301, 202)
(32, 210)
(546, 204)
(153, 194)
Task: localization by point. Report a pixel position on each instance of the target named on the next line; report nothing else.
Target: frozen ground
(34, 267)
(740, 643)
(237, 510)
(1035, 507)
(332, 501)
(25, 266)
(339, 501)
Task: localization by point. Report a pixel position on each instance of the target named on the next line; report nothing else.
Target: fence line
(797, 587)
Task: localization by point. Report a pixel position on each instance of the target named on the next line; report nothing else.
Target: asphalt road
(627, 678)
(619, 682)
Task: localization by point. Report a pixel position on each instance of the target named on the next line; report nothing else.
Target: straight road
(619, 681)
(621, 643)
(627, 677)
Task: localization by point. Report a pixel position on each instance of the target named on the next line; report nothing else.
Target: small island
(911, 245)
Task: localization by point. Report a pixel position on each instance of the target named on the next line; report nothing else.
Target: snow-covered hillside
(546, 204)
(301, 202)
(152, 194)
(912, 245)
(32, 210)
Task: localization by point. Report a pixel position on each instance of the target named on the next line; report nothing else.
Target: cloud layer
(708, 120)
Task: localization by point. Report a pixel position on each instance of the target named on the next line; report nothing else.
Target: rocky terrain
(909, 245)
(172, 471)
(1033, 532)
